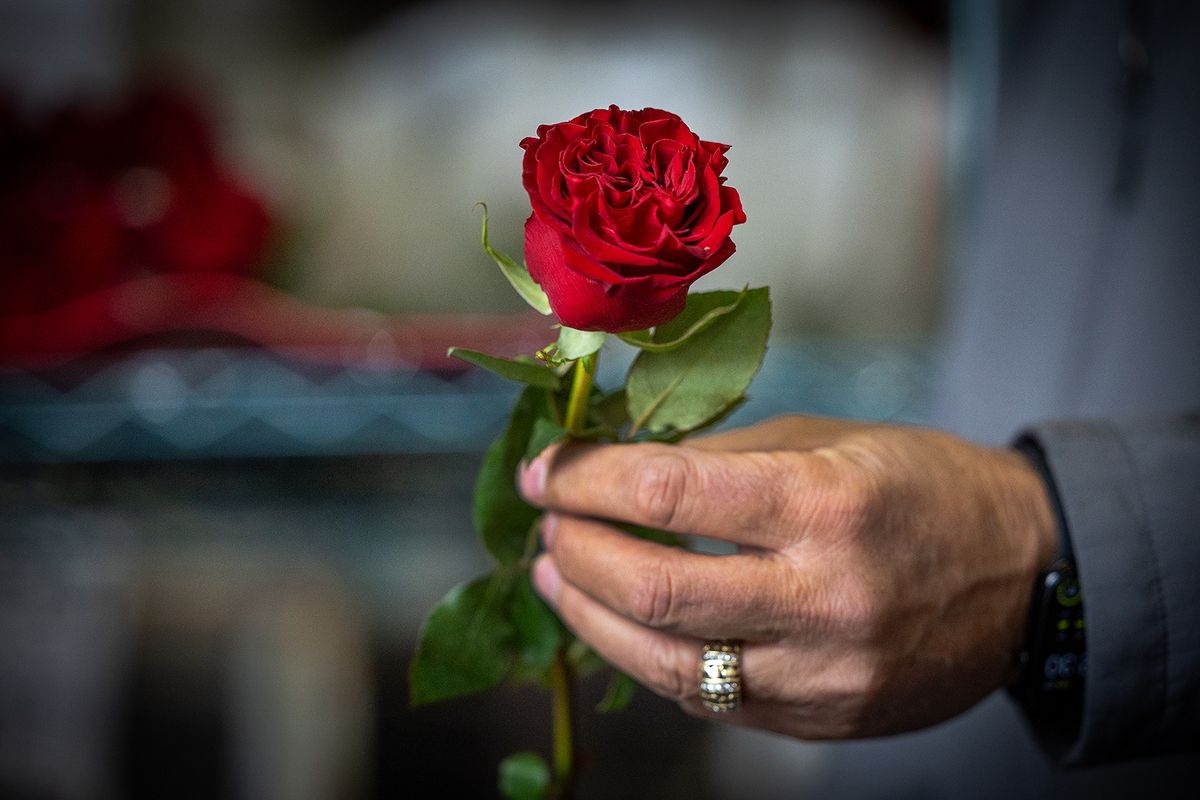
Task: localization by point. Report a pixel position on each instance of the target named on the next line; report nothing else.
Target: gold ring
(721, 675)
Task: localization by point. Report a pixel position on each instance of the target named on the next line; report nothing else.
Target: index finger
(788, 432)
(744, 498)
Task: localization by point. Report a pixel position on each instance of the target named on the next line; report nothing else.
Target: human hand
(881, 583)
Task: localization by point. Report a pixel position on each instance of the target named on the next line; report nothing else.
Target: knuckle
(652, 599)
(854, 502)
(859, 615)
(757, 489)
(866, 694)
(851, 695)
(660, 487)
(782, 482)
(665, 673)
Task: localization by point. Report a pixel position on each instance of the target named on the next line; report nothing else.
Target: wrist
(1033, 511)
(1052, 660)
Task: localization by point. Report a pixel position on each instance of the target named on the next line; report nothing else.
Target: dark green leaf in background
(465, 643)
(652, 534)
(545, 433)
(621, 688)
(686, 388)
(584, 660)
(539, 633)
(524, 776)
(502, 518)
(609, 409)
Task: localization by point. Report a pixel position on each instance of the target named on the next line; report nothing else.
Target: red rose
(629, 209)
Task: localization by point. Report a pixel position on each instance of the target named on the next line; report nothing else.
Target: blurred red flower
(92, 198)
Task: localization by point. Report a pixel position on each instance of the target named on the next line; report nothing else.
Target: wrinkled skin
(881, 583)
(629, 209)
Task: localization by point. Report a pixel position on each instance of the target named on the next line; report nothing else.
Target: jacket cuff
(1101, 501)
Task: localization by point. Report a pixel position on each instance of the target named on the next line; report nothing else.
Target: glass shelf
(245, 402)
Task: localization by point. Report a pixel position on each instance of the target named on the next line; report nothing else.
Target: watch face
(1067, 591)
(1062, 633)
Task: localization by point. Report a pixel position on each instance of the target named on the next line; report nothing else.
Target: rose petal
(546, 254)
(583, 227)
(667, 128)
(707, 208)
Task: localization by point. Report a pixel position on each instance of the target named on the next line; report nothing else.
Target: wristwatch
(1053, 659)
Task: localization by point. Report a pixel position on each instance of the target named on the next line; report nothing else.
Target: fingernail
(549, 529)
(532, 479)
(546, 579)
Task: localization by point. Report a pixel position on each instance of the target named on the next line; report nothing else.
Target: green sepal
(573, 344)
(524, 776)
(502, 517)
(620, 691)
(687, 388)
(465, 643)
(517, 274)
(644, 340)
(527, 372)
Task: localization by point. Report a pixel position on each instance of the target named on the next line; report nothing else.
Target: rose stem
(581, 389)
(564, 744)
(560, 671)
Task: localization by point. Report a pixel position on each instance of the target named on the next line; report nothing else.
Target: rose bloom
(629, 209)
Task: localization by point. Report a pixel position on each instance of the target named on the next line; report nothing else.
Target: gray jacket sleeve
(1129, 493)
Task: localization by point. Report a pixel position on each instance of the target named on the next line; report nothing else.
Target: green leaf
(686, 388)
(502, 518)
(657, 344)
(539, 632)
(573, 344)
(584, 660)
(517, 275)
(465, 642)
(524, 776)
(609, 409)
(671, 435)
(620, 691)
(545, 433)
(523, 371)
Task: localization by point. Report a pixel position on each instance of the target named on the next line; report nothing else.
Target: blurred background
(236, 238)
